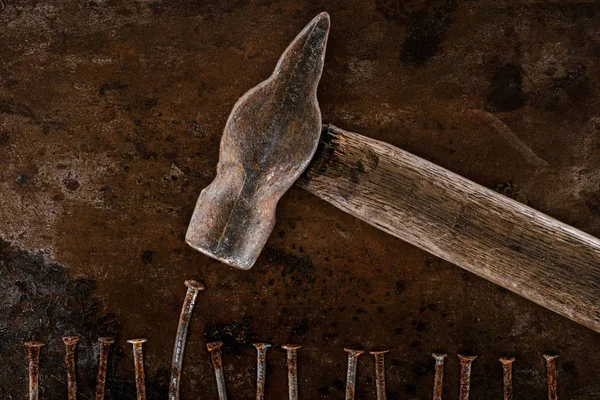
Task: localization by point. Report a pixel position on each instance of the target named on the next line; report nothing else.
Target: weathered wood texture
(506, 242)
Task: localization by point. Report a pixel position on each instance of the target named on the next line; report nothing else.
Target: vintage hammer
(273, 134)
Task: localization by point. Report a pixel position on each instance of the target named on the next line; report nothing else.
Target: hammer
(274, 135)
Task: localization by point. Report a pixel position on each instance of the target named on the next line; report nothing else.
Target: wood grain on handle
(501, 240)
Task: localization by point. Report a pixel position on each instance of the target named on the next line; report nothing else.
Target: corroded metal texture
(261, 367)
(465, 375)
(270, 138)
(70, 343)
(292, 369)
(380, 373)
(105, 344)
(215, 354)
(507, 383)
(351, 372)
(138, 364)
(111, 115)
(438, 379)
(33, 357)
(552, 376)
(193, 288)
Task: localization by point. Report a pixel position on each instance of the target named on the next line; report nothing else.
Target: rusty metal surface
(70, 343)
(466, 365)
(269, 139)
(105, 344)
(33, 358)
(261, 369)
(438, 378)
(507, 384)
(138, 362)
(193, 288)
(111, 114)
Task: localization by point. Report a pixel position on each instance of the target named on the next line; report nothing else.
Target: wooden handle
(501, 240)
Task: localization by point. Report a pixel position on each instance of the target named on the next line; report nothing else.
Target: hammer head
(269, 139)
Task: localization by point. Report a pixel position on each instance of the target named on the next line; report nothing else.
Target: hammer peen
(274, 134)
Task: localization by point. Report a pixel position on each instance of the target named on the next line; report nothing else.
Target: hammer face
(270, 137)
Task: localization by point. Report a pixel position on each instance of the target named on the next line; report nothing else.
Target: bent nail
(193, 288)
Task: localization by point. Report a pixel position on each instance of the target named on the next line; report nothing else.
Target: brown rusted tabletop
(111, 114)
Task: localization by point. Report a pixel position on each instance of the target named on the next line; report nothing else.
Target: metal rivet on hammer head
(70, 343)
(351, 372)
(33, 356)
(438, 380)
(193, 288)
(292, 365)
(465, 375)
(261, 364)
(380, 373)
(215, 352)
(105, 343)
(138, 363)
(507, 384)
(552, 376)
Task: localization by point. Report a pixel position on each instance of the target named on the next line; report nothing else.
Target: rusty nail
(465, 375)
(507, 376)
(70, 345)
(552, 376)
(138, 363)
(380, 373)
(105, 343)
(292, 365)
(215, 352)
(33, 355)
(438, 380)
(193, 288)
(261, 363)
(351, 373)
